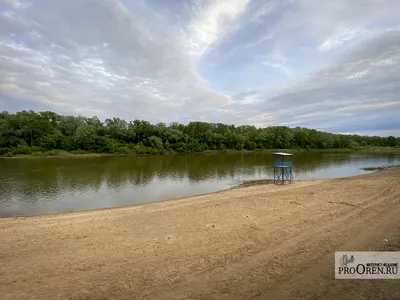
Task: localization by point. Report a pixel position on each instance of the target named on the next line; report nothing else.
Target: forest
(38, 133)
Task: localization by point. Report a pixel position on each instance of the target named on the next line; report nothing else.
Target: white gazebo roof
(282, 153)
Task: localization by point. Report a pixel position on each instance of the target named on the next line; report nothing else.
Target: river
(35, 186)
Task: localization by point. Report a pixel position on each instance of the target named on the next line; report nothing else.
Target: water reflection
(51, 185)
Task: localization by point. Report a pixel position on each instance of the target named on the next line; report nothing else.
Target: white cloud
(374, 106)
(276, 60)
(12, 3)
(210, 22)
(219, 60)
(338, 39)
(262, 12)
(358, 74)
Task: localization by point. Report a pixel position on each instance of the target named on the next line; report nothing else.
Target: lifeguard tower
(283, 168)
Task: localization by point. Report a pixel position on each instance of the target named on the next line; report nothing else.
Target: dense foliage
(28, 132)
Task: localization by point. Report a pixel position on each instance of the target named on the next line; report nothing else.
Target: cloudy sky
(329, 65)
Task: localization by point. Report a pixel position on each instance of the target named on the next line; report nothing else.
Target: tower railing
(283, 168)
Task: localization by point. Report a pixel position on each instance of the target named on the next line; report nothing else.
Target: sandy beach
(258, 242)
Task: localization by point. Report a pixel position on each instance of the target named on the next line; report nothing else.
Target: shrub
(67, 143)
(9, 154)
(354, 145)
(151, 151)
(78, 152)
(140, 149)
(163, 151)
(180, 147)
(50, 142)
(221, 147)
(4, 151)
(52, 153)
(123, 150)
(155, 143)
(23, 150)
(106, 145)
(35, 149)
(249, 145)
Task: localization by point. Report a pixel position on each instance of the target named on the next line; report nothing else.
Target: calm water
(54, 185)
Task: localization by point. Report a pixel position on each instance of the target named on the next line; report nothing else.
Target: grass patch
(378, 169)
(56, 153)
(256, 182)
(380, 150)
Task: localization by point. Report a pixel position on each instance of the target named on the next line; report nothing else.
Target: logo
(367, 265)
(345, 260)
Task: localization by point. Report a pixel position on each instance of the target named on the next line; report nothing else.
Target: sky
(329, 65)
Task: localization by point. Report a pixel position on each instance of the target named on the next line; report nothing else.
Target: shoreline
(67, 154)
(240, 186)
(223, 245)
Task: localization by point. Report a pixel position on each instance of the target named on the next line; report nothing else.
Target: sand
(259, 242)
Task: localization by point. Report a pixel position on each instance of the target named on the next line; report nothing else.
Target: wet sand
(259, 242)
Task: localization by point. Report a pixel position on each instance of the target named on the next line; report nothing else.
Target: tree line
(29, 132)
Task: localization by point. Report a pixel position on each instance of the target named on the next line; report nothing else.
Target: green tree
(28, 131)
(155, 143)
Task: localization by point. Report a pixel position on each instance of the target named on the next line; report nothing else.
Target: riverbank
(258, 242)
(59, 153)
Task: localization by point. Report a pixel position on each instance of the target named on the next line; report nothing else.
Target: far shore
(60, 153)
(255, 242)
